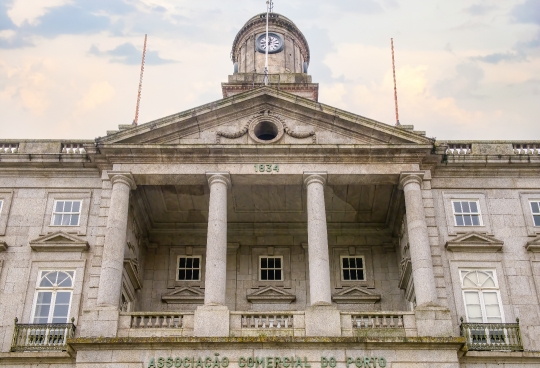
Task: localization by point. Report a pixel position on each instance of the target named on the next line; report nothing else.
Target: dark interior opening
(266, 131)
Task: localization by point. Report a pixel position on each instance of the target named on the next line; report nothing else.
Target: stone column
(322, 318)
(112, 264)
(319, 263)
(212, 319)
(420, 250)
(431, 318)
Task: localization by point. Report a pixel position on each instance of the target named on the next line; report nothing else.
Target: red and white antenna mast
(136, 120)
(395, 85)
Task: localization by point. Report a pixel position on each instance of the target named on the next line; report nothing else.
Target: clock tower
(288, 58)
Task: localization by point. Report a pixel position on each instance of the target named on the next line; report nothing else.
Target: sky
(466, 69)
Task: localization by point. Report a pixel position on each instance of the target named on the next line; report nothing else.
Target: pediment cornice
(356, 295)
(474, 242)
(271, 295)
(59, 241)
(184, 295)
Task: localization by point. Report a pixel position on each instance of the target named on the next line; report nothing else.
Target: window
(481, 296)
(189, 268)
(1, 204)
(535, 208)
(53, 297)
(352, 268)
(66, 213)
(467, 213)
(270, 268)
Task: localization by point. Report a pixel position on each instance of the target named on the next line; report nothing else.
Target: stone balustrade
(375, 324)
(458, 149)
(9, 147)
(144, 324)
(291, 323)
(73, 148)
(526, 148)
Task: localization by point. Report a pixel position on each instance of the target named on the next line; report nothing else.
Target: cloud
(463, 84)
(528, 12)
(510, 56)
(128, 54)
(479, 9)
(97, 94)
(5, 20)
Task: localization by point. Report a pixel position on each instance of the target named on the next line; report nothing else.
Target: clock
(275, 43)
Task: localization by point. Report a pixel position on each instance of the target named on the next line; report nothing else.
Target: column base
(434, 321)
(323, 320)
(100, 322)
(211, 321)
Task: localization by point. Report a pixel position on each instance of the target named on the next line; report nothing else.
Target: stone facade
(269, 230)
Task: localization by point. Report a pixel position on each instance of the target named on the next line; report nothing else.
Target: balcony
(42, 337)
(492, 336)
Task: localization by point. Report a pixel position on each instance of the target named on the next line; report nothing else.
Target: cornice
(20, 171)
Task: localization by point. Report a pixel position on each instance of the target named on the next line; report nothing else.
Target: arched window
(53, 297)
(481, 296)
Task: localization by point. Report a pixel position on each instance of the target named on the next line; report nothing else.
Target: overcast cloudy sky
(466, 69)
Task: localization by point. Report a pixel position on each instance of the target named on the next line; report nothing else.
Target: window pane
(465, 206)
(63, 297)
(271, 275)
(360, 274)
(493, 311)
(459, 220)
(264, 263)
(44, 297)
(457, 207)
(195, 274)
(67, 206)
(181, 274)
(74, 220)
(270, 262)
(264, 275)
(474, 207)
(535, 208)
(59, 206)
(352, 262)
(278, 274)
(476, 220)
(346, 275)
(65, 220)
(475, 319)
(471, 297)
(278, 262)
(182, 263)
(474, 311)
(536, 219)
(189, 275)
(491, 298)
(196, 262)
(57, 220)
(64, 280)
(468, 221)
(76, 206)
(359, 263)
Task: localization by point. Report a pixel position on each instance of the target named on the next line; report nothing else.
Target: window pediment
(271, 295)
(533, 245)
(356, 295)
(59, 242)
(3, 246)
(185, 295)
(474, 242)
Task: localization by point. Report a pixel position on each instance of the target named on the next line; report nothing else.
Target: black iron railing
(41, 336)
(492, 336)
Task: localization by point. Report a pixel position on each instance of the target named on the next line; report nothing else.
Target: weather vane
(269, 9)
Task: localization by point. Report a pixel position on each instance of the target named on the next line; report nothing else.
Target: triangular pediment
(59, 242)
(184, 295)
(271, 295)
(356, 294)
(474, 242)
(227, 121)
(533, 245)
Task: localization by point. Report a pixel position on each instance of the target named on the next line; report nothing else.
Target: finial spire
(136, 120)
(395, 85)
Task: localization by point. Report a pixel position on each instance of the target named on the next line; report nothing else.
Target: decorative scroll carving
(296, 134)
(237, 134)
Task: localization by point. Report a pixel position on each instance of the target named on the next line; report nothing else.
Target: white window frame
(479, 213)
(531, 201)
(54, 213)
(496, 289)
(178, 267)
(260, 267)
(38, 289)
(363, 267)
(1, 205)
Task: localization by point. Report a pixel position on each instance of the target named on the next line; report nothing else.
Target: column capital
(219, 177)
(407, 177)
(315, 177)
(122, 177)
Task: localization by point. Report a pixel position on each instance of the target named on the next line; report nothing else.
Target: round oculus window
(275, 43)
(266, 130)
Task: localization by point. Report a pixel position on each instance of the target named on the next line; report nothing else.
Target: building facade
(269, 230)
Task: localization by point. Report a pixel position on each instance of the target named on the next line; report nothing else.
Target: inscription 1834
(266, 168)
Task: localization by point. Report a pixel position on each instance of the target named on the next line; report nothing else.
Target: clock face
(275, 43)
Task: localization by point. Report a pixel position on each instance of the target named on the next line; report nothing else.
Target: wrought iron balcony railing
(492, 336)
(41, 337)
